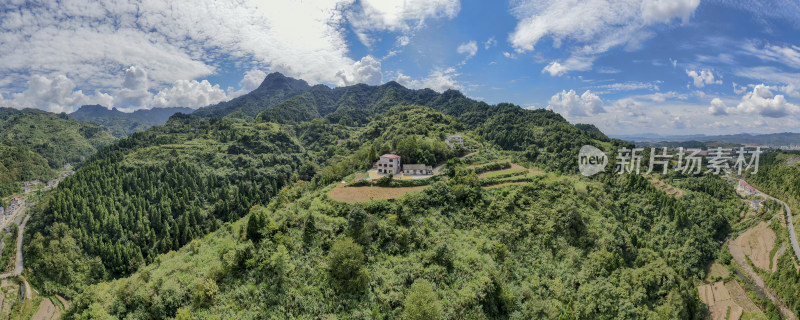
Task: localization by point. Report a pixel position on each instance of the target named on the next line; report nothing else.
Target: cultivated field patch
(757, 243)
(362, 194)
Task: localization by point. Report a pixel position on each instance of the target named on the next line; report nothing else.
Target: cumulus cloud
(54, 94)
(718, 107)
(189, 93)
(134, 92)
(789, 83)
(574, 63)
(702, 77)
(579, 106)
(468, 48)
(761, 101)
(595, 26)
(367, 70)
(438, 80)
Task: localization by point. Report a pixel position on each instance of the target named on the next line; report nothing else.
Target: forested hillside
(32, 142)
(559, 246)
(122, 124)
(623, 249)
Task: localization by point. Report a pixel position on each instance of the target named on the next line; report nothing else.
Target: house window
(391, 160)
(391, 166)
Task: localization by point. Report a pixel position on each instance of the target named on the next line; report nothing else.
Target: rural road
(789, 225)
(19, 266)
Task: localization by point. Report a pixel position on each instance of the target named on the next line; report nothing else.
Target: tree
(422, 303)
(346, 266)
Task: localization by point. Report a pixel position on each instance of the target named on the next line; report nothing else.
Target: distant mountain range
(122, 124)
(781, 139)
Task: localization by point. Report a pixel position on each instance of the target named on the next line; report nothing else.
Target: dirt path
(739, 257)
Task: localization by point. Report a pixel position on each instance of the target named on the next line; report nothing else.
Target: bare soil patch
(718, 299)
(669, 189)
(362, 194)
(756, 243)
(47, 310)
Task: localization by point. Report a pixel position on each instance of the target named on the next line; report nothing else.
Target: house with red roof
(389, 163)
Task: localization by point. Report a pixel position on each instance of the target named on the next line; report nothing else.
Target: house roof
(390, 156)
(416, 167)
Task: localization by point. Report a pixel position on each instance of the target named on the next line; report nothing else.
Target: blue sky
(627, 66)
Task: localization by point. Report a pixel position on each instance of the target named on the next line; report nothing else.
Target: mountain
(122, 124)
(274, 89)
(774, 139)
(34, 142)
(209, 217)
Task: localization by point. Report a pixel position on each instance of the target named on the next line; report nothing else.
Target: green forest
(33, 142)
(226, 213)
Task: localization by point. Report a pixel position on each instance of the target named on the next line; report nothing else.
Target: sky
(627, 66)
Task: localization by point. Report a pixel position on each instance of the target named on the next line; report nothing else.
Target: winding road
(20, 265)
(789, 224)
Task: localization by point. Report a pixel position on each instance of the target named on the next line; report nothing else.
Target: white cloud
(787, 55)
(489, 43)
(93, 42)
(674, 62)
(578, 106)
(134, 92)
(468, 48)
(761, 101)
(627, 86)
(56, 94)
(509, 55)
(574, 63)
(438, 80)
(189, 93)
(718, 107)
(403, 16)
(702, 78)
(737, 89)
(367, 70)
(662, 97)
(789, 82)
(403, 41)
(594, 26)
(662, 11)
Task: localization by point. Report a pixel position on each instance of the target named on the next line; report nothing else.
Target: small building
(389, 163)
(417, 170)
(454, 140)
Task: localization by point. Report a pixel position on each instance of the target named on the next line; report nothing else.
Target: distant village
(33, 185)
(393, 164)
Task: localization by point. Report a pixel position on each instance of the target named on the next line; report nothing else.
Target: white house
(417, 170)
(389, 163)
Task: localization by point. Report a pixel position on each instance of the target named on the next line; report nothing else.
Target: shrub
(346, 266)
(422, 302)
